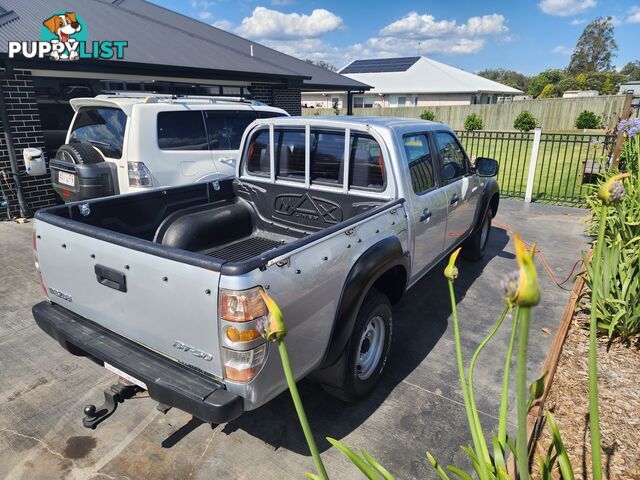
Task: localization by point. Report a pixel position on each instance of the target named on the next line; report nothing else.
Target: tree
(587, 119)
(525, 121)
(323, 64)
(595, 49)
(473, 122)
(548, 91)
(569, 83)
(631, 70)
(540, 81)
(507, 77)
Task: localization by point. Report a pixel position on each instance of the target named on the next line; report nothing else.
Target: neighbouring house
(165, 52)
(411, 82)
(580, 93)
(630, 87)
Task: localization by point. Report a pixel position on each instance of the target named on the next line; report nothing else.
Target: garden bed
(619, 372)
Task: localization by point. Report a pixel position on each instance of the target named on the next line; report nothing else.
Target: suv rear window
(102, 127)
(181, 131)
(225, 128)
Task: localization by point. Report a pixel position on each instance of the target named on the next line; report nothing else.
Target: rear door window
(102, 127)
(327, 157)
(420, 161)
(225, 128)
(181, 130)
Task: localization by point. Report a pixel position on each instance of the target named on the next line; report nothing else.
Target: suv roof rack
(150, 97)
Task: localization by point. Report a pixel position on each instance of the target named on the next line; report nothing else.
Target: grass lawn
(559, 170)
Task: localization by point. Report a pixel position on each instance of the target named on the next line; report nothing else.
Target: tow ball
(118, 393)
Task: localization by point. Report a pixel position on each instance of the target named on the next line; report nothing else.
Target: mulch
(619, 388)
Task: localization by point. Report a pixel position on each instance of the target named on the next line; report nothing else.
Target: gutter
(8, 138)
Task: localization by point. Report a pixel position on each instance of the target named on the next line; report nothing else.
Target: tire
(79, 153)
(475, 246)
(367, 349)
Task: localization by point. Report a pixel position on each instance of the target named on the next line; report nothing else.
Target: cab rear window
(326, 156)
(102, 127)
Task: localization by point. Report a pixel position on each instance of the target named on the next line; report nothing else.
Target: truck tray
(246, 248)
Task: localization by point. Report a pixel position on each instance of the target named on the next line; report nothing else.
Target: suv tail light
(244, 350)
(37, 264)
(139, 175)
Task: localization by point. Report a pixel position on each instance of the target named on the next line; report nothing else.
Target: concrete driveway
(417, 407)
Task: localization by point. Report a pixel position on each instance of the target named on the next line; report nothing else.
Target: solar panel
(400, 64)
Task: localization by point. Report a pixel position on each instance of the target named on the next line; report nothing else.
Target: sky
(526, 36)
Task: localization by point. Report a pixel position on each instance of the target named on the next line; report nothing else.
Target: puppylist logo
(64, 37)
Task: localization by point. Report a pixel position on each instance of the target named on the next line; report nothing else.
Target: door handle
(111, 278)
(426, 215)
(454, 200)
(227, 160)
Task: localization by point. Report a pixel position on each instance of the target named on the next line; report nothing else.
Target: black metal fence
(566, 163)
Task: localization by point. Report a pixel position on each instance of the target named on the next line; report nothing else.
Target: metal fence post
(532, 164)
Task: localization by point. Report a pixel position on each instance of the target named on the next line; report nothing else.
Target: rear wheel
(475, 246)
(79, 153)
(367, 349)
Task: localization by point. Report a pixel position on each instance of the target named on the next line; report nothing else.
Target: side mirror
(448, 171)
(486, 167)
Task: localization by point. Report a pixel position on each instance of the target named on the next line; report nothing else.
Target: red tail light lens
(139, 175)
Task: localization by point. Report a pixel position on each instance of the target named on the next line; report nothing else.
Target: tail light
(244, 350)
(139, 175)
(37, 264)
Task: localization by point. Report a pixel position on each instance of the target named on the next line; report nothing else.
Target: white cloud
(577, 21)
(205, 15)
(265, 23)
(566, 8)
(223, 25)
(562, 50)
(633, 15)
(414, 25)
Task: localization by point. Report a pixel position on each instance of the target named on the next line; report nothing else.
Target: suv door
(461, 187)
(429, 203)
(184, 149)
(225, 129)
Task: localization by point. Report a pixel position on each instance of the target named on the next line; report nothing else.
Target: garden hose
(543, 260)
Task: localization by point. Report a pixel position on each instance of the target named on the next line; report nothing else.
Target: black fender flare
(489, 191)
(368, 268)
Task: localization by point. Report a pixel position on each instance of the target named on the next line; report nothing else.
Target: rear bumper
(168, 382)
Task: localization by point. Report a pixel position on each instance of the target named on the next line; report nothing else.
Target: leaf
(498, 454)
(312, 476)
(563, 457)
(362, 465)
(536, 390)
(379, 468)
(546, 330)
(460, 473)
(437, 467)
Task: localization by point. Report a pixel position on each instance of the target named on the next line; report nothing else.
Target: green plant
(525, 121)
(272, 328)
(473, 121)
(548, 91)
(428, 115)
(587, 119)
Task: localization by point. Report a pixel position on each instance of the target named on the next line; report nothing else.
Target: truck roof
(344, 121)
(126, 101)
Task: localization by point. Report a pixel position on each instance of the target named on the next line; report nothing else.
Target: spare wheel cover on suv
(79, 153)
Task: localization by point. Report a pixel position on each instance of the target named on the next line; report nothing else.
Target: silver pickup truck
(336, 217)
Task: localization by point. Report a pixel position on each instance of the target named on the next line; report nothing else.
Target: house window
(397, 101)
(363, 102)
(335, 102)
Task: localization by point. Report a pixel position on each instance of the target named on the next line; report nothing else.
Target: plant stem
(483, 473)
(594, 414)
(522, 393)
(293, 388)
(472, 400)
(504, 400)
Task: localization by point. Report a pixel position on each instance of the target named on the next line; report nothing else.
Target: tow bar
(118, 393)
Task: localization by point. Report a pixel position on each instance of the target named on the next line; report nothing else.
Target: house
(411, 82)
(123, 45)
(630, 87)
(580, 93)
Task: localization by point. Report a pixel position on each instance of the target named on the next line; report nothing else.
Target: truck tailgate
(167, 306)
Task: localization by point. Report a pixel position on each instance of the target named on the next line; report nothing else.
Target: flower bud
(271, 328)
(612, 190)
(528, 293)
(451, 271)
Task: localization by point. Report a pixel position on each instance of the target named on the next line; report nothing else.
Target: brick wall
(24, 120)
(289, 99)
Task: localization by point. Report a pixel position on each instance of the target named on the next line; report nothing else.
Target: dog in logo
(63, 26)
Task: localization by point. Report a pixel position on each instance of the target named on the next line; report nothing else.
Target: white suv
(125, 143)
